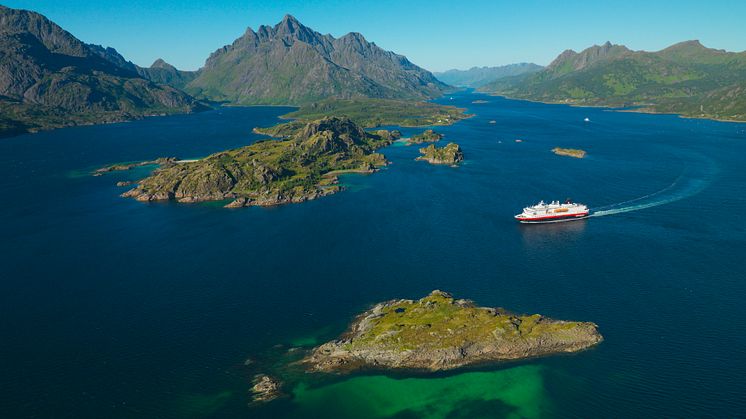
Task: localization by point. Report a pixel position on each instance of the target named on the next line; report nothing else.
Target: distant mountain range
(49, 78)
(292, 64)
(686, 78)
(479, 76)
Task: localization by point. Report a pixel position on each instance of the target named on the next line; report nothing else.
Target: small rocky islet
(300, 167)
(439, 333)
(569, 152)
(450, 154)
(428, 136)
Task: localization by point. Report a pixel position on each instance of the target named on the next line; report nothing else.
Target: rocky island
(298, 168)
(450, 154)
(429, 136)
(439, 332)
(161, 161)
(569, 152)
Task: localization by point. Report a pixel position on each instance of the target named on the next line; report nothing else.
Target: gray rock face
(49, 78)
(292, 64)
(164, 73)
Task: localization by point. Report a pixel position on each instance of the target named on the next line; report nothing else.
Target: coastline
(612, 109)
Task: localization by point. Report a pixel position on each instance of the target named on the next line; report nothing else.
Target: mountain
(292, 64)
(479, 76)
(164, 73)
(49, 78)
(686, 78)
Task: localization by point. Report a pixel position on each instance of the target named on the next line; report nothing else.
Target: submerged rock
(265, 388)
(439, 333)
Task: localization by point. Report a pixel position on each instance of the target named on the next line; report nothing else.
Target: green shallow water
(516, 392)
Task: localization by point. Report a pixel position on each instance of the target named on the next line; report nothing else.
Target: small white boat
(587, 120)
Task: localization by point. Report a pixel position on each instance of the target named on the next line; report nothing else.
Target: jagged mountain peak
(569, 60)
(290, 63)
(161, 63)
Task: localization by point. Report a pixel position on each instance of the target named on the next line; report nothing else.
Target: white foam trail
(678, 190)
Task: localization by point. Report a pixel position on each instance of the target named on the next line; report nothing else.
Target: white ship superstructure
(553, 212)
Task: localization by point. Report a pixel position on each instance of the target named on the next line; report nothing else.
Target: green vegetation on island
(369, 113)
(686, 78)
(569, 152)
(161, 161)
(428, 136)
(270, 172)
(439, 333)
(449, 154)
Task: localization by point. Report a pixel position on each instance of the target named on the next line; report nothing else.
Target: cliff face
(439, 333)
(292, 64)
(49, 78)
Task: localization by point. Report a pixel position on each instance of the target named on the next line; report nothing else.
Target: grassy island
(439, 332)
(428, 136)
(450, 154)
(569, 152)
(272, 172)
(369, 113)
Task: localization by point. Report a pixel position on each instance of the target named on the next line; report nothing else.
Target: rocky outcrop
(428, 136)
(290, 63)
(265, 388)
(569, 152)
(161, 161)
(439, 332)
(450, 154)
(298, 168)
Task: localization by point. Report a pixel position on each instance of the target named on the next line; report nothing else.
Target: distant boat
(587, 120)
(493, 122)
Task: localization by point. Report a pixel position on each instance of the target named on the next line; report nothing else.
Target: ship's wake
(692, 181)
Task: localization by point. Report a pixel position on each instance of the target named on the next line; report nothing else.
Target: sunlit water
(114, 308)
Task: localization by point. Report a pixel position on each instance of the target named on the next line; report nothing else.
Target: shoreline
(612, 109)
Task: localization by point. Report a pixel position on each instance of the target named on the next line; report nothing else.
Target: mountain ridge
(686, 78)
(50, 79)
(290, 63)
(479, 76)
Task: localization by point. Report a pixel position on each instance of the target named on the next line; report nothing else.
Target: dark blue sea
(111, 308)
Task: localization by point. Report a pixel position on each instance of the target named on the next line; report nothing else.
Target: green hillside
(686, 78)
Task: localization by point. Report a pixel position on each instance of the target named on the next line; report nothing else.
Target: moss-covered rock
(428, 136)
(439, 332)
(450, 154)
(569, 152)
(272, 172)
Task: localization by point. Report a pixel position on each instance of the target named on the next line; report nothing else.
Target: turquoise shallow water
(113, 308)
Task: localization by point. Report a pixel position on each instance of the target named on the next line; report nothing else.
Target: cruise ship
(553, 212)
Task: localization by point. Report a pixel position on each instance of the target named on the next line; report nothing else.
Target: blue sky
(437, 35)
